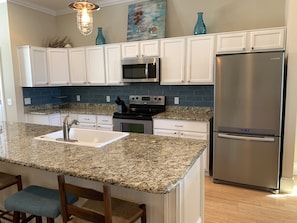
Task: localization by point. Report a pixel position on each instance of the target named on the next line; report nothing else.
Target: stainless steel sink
(85, 137)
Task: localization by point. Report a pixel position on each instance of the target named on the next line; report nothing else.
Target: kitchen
(276, 18)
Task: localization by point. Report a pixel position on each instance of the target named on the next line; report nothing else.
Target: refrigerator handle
(253, 138)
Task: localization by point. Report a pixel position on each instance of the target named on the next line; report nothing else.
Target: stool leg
(16, 217)
(50, 220)
(38, 219)
(20, 187)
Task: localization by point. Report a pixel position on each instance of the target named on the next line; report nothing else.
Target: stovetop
(142, 107)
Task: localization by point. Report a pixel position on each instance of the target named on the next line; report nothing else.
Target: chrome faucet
(67, 126)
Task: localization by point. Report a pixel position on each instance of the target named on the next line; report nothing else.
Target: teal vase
(100, 38)
(200, 27)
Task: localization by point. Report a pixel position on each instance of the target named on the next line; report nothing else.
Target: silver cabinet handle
(252, 138)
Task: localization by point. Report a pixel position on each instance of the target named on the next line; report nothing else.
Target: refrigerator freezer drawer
(248, 162)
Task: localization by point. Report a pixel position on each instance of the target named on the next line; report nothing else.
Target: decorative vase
(200, 27)
(100, 38)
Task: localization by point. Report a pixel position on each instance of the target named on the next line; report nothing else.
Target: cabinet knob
(252, 48)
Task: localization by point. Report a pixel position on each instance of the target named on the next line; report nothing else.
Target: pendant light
(84, 15)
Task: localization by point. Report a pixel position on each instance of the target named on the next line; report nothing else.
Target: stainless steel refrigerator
(248, 119)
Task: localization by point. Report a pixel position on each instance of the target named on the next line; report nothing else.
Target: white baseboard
(286, 185)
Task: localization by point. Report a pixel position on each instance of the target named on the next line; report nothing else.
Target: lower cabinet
(104, 122)
(44, 119)
(184, 129)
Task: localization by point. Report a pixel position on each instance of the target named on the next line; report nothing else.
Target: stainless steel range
(138, 117)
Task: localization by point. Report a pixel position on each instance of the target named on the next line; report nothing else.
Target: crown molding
(102, 3)
(34, 6)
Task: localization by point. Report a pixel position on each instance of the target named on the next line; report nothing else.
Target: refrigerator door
(247, 161)
(248, 92)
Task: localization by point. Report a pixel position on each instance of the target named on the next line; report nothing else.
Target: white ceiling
(59, 7)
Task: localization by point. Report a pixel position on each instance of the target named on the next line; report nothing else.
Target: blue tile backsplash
(196, 95)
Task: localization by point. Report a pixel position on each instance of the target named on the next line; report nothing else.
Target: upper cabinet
(200, 59)
(113, 64)
(95, 65)
(187, 60)
(77, 66)
(173, 52)
(33, 66)
(250, 41)
(148, 48)
(58, 66)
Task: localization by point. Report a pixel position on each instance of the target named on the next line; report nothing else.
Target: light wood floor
(230, 204)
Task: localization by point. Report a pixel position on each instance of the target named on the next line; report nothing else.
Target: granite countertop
(186, 113)
(172, 112)
(142, 162)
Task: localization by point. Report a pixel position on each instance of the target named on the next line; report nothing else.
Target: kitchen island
(164, 173)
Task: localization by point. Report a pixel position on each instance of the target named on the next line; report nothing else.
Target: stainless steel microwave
(144, 69)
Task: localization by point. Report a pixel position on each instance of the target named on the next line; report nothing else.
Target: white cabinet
(250, 41)
(44, 119)
(184, 129)
(113, 64)
(77, 66)
(58, 66)
(33, 66)
(104, 122)
(273, 39)
(187, 60)
(148, 48)
(200, 59)
(87, 121)
(231, 42)
(173, 52)
(95, 63)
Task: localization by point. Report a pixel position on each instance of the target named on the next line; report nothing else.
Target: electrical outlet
(77, 97)
(27, 101)
(176, 100)
(107, 98)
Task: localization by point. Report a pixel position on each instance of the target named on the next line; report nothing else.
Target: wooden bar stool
(99, 207)
(7, 180)
(38, 202)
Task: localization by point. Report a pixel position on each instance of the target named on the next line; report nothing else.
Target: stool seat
(38, 201)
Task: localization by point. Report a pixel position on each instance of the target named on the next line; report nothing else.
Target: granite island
(164, 173)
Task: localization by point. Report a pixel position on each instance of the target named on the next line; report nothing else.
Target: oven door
(131, 125)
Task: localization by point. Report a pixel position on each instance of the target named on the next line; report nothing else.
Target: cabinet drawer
(193, 126)
(166, 132)
(104, 119)
(87, 126)
(194, 135)
(87, 118)
(105, 127)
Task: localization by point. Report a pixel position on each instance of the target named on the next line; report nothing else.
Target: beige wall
(26, 27)
(219, 16)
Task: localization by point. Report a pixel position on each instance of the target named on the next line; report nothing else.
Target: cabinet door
(130, 50)
(231, 42)
(77, 66)
(149, 48)
(267, 39)
(200, 59)
(113, 64)
(173, 61)
(54, 119)
(37, 119)
(33, 66)
(58, 66)
(95, 65)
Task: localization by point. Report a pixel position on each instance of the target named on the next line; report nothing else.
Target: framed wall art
(146, 20)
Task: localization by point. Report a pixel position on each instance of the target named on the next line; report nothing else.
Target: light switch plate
(77, 97)
(107, 98)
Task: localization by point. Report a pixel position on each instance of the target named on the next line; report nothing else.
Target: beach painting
(146, 20)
